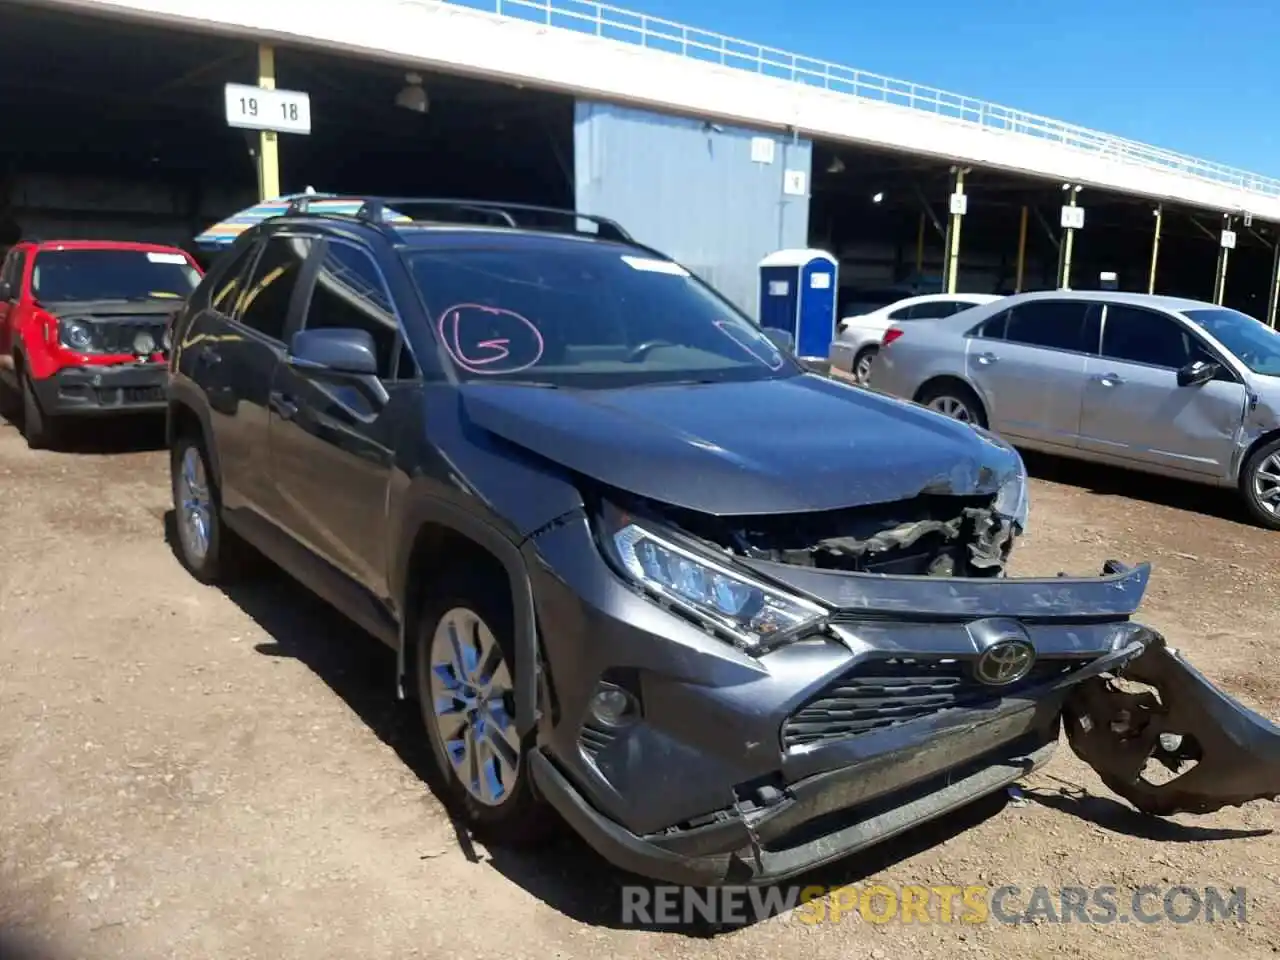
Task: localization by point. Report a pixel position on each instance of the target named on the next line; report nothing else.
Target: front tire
(464, 665)
(40, 431)
(1260, 485)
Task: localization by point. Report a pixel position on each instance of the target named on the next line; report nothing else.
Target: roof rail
(375, 210)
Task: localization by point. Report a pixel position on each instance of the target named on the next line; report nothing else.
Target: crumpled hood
(804, 443)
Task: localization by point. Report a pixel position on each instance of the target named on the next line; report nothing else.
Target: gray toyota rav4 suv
(728, 618)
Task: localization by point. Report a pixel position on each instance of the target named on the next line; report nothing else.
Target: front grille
(117, 336)
(881, 693)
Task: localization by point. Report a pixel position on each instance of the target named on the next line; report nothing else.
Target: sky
(1197, 76)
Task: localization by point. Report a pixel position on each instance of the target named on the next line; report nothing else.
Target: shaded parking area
(191, 773)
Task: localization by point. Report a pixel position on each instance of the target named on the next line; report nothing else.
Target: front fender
(425, 510)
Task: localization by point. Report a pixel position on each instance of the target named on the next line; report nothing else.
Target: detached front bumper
(735, 769)
(104, 390)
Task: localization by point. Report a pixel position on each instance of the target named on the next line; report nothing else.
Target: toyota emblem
(1006, 662)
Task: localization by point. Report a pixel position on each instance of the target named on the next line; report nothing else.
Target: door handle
(1108, 379)
(988, 358)
(283, 406)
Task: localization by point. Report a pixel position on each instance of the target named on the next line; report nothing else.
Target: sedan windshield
(585, 315)
(1255, 344)
(112, 275)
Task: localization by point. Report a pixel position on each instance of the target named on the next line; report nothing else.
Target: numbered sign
(257, 108)
(1072, 218)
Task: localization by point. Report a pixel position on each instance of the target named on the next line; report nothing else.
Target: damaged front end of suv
(753, 670)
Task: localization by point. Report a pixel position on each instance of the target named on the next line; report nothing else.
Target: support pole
(1155, 248)
(1022, 250)
(920, 246)
(268, 140)
(1068, 243)
(1220, 272)
(953, 236)
(1274, 300)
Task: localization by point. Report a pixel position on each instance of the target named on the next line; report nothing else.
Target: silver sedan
(1168, 386)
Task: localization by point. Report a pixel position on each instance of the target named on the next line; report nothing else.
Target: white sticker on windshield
(655, 266)
(167, 258)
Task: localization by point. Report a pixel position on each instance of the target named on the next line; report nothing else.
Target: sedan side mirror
(337, 350)
(1198, 372)
(781, 339)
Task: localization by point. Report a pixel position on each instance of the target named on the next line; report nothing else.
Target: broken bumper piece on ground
(1218, 752)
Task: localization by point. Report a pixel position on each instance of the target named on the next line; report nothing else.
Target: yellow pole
(1155, 248)
(1224, 254)
(953, 254)
(1022, 250)
(1275, 287)
(1067, 244)
(920, 246)
(268, 140)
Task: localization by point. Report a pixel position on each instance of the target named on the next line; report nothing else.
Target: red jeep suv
(84, 328)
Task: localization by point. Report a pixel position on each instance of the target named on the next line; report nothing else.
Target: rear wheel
(954, 400)
(862, 364)
(210, 552)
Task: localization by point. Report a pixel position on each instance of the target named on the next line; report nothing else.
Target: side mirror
(6, 291)
(1198, 372)
(781, 339)
(336, 350)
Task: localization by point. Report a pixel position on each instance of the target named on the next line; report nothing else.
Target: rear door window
(1050, 324)
(934, 310)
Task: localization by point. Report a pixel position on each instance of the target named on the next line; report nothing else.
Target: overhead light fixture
(877, 198)
(835, 166)
(412, 96)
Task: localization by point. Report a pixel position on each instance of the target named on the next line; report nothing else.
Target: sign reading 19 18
(258, 108)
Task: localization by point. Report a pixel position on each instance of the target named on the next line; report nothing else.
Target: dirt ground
(190, 774)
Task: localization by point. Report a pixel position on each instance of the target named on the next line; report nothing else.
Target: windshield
(586, 316)
(112, 275)
(1255, 344)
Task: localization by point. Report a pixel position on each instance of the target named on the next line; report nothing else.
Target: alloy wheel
(953, 407)
(472, 706)
(195, 508)
(1266, 484)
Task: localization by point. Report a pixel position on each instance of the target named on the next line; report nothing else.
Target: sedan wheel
(862, 366)
(952, 407)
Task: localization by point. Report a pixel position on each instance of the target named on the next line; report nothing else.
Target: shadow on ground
(1116, 482)
(566, 874)
(128, 433)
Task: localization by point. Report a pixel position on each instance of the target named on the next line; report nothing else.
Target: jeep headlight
(754, 616)
(76, 335)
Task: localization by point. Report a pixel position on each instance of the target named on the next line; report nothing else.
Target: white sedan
(858, 337)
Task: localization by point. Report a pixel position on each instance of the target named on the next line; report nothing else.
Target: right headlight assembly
(76, 334)
(754, 616)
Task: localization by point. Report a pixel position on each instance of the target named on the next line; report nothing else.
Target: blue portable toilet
(798, 295)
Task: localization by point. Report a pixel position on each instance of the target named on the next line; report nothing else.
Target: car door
(332, 443)
(1028, 363)
(231, 352)
(1134, 408)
